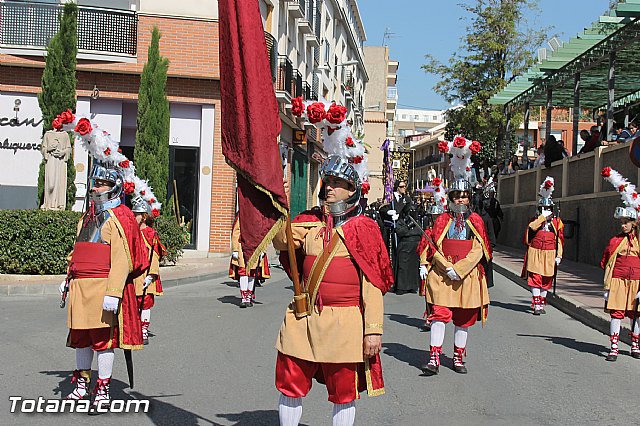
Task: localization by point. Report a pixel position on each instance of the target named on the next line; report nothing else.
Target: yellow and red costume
(237, 266)
(621, 264)
(328, 343)
(152, 242)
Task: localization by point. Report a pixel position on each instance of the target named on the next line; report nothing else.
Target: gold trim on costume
(367, 372)
(374, 326)
(322, 271)
(124, 238)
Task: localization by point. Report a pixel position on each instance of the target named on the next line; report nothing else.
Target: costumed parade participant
(345, 271)
(148, 284)
(456, 286)
(621, 264)
(545, 242)
(108, 253)
(237, 271)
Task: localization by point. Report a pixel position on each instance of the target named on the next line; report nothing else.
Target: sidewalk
(188, 270)
(578, 290)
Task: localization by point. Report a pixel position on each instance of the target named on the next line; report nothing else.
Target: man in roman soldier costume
(102, 308)
(237, 271)
(346, 271)
(621, 264)
(456, 287)
(148, 284)
(545, 242)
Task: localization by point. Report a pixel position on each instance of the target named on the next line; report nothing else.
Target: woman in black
(407, 273)
(552, 151)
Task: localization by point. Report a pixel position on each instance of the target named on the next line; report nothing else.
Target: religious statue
(56, 151)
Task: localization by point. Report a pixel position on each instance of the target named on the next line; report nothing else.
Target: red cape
(153, 239)
(613, 245)
(364, 242)
(556, 224)
(440, 226)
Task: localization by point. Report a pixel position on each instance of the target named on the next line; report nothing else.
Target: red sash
(544, 240)
(340, 285)
(90, 260)
(627, 267)
(455, 250)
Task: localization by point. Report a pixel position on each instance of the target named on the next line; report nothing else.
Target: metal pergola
(599, 68)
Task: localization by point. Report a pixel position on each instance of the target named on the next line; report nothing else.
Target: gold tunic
(86, 295)
(336, 334)
(542, 262)
(622, 293)
(153, 270)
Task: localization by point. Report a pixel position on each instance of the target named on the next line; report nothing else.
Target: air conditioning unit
(542, 55)
(554, 43)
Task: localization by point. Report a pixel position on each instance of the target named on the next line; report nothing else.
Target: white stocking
(146, 315)
(105, 363)
(636, 326)
(543, 293)
(615, 326)
(344, 414)
(437, 333)
(244, 283)
(535, 291)
(251, 283)
(290, 410)
(84, 358)
(460, 337)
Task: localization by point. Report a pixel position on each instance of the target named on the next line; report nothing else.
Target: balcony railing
(285, 75)
(392, 93)
(272, 54)
(296, 84)
(32, 25)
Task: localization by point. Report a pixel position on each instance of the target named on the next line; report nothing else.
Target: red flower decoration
(349, 142)
(356, 160)
(443, 146)
(124, 164)
(336, 113)
(459, 142)
(142, 193)
(297, 106)
(634, 195)
(436, 181)
(606, 172)
(468, 169)
(57, 123)
(67, 117)
(330, 130)
(120, 150)
(365, 187)
(155, 212)
(437, 189)
(621, 188)
(547, 184)
(638, 208)
(129, 187)
(315, 112)
(153, 200)
(107, 152)
(475, 147)
(83, 127)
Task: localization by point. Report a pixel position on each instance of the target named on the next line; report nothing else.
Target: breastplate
(91, 228)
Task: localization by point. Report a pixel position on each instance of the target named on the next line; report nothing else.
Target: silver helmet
(458, 185)
(108, 173)
(545, 202)
(435, 210)
(625, 212)
(139, 205)
(339, 167)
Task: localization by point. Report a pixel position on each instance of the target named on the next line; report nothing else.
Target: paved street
(213, 363)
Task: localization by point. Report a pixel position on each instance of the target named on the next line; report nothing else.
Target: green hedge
(37, 242)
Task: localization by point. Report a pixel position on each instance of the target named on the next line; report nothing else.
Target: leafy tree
(497, 47)
(59, 87)
(152, 137)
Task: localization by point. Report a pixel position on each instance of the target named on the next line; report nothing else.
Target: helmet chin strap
(458, 208)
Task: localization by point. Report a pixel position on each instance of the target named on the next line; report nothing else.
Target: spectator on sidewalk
(545, 241)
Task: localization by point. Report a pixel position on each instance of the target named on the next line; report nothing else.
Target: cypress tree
(152, 135)
(59, 88)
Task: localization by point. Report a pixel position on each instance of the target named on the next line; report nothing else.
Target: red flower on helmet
(315, 112)
(443, 146)
(468, 169)
(155, 212)
(437, 189)
(142, 193)
(83, 127)
(297, 106)
(349, 142)
(475, 147)
(459, 142)
(622, 187)
(606, 172)
(129, 187)
(634, 195)
(120, 150)
(356, 160)
(124, 164)
(336, 113)
(436, 181)
(67, 117)
(330, 130)
(153, 200)
(57, 123)
(107, 152)
(365, 187)
(548, 184)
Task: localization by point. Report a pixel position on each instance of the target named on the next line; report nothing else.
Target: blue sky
(434, 26)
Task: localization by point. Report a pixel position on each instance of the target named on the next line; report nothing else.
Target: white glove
(110, 304)
(558, 260)
(395, 217)
(638, 296)
(546, 213)
(261, 256)
(234, 255)
(63, 284)
(453, 275)
(606, 295)
(392, 212)
(423, 272)
(147, 281)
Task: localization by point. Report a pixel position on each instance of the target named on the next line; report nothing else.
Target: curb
(569, 306)
(44, 289)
